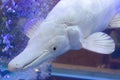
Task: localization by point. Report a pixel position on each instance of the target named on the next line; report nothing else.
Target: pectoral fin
(115, 22)
(31, 27)
(99, 42)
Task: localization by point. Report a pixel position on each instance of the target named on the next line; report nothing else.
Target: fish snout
(14, 67)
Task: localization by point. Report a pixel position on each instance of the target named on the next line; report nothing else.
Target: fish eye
(54, 48)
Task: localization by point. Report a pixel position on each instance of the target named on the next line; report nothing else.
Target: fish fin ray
(115, 22)
(99, 42)
(31, 26)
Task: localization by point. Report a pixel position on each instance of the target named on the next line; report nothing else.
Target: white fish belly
(90, 15)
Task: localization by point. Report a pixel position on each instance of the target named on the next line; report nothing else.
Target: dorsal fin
(31, 26)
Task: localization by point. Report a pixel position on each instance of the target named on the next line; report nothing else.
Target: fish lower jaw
(30, 63)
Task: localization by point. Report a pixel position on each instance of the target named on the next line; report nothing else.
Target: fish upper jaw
(14, 66)
(39, 60)
(21, 62)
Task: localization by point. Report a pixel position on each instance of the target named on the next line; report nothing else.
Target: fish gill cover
(13, 16)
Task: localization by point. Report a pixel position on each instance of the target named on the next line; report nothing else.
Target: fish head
(44, 46)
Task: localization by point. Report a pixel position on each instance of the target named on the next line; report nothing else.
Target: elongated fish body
(71, 25)
(91, 15)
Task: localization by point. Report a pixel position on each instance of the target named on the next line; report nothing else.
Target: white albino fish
(71, 25)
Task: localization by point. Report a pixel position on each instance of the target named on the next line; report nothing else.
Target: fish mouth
(37, 60)
(32, 62)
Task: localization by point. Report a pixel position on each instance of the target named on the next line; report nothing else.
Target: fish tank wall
(74, 65)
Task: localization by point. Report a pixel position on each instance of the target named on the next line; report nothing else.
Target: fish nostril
(16, 68)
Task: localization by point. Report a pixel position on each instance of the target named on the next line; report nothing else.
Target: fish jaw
(45, 56)
(40, 50)
(18, 64)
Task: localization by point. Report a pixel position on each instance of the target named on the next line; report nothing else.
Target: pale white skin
(42, 48)
(89, 15)
(56, 34)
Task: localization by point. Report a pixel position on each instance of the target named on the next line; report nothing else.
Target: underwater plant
(13, 16)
